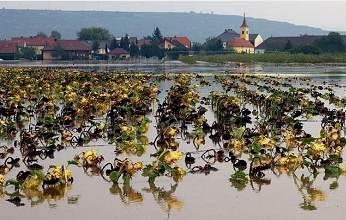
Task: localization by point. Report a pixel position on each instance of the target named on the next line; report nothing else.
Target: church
(243, 42)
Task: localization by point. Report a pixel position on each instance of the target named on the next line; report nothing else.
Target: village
(108, 47)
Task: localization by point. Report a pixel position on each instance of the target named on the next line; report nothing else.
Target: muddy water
(197, 196)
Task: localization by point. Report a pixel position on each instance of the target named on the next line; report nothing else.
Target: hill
(197, 26)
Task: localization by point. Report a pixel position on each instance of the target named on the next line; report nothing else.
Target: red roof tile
(183, 40)
(34, 41)
(143, 42)
(239, 42)
(8, 47)
(69, 45)
(118, 51)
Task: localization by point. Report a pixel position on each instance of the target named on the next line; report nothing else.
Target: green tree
(331, 43)
(157, 36)
(95, 46)
(176, 52)
(28, 53)
(134, 50)
(55, 34)
(114, 44)
(196, 46)
(306, 49)
(41, 34)
(152, 51)
(212, 44)
(288, 46)
(125, 42)
(94, 33)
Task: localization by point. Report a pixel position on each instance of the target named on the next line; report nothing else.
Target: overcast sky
(327, 15)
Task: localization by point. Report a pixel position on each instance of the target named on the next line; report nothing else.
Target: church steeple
(244, 30)
(244, 22)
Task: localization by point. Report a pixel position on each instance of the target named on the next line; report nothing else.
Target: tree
(134, 50)
(148, 37)
(306, 49)
(95, 46)
(114, 44)
(196, 46)
(331, 43)
(125, 42)
(152, 51)
(176, 52)
(41, 34)
(157, 36)
(212, 44)
(288, 46)
(94, 33)
(28, 53)
(55, 34)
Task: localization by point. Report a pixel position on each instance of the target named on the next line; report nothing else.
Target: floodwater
(197, 196)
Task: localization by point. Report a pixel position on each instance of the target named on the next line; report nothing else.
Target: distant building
(256, 39)
(117, 53)
(241, 43)
(36, 42)
(67, 49)
(273, 44)
(103, 47)
(227, 36)
(176, 41)
(142, 42)
(8, 50)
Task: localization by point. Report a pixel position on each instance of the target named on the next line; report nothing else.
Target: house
(8, 50)
(117, 53)
(67, 49)
(182, 40)
(273, 44)
(36, 42)
(241, 43)
(255, 39)
(169, 43)
(142, 42)
(226, 37)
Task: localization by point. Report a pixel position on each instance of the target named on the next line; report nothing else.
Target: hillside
(197, 26)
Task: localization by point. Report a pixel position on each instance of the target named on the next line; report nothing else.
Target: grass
(188, 59)
(266, 58)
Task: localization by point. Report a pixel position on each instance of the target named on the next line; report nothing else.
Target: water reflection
(165, 198)
(35, 196)
(127, 194)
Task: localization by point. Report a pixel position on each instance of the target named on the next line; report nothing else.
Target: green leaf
(114, 176)
(126, 179)
(13, 182)
(38, 173)
(332, 171)
(73, 162)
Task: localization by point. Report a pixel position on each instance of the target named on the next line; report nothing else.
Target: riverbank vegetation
(277, 57)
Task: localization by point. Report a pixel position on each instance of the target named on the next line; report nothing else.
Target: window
(247, 32)
(242, 32)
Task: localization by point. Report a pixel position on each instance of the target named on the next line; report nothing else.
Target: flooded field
(114, 145)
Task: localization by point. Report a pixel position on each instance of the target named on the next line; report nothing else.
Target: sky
(328, 15)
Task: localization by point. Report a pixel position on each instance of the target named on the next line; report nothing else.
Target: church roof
(239, 42)
(244, 22)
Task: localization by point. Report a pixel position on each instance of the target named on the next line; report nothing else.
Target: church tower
(244, 30)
